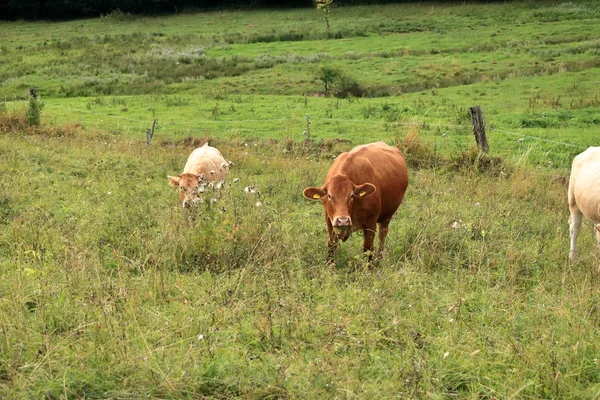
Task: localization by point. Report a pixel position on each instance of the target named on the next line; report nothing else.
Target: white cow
(204, 167)
(584, 194)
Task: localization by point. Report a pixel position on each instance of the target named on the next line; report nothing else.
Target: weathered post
(307, 131)
(150, 133)
(479, 129)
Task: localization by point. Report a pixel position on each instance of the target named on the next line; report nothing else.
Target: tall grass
(109, 290)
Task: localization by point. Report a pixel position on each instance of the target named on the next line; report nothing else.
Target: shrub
(346, 86)
(327, 75)
(417, 154)
(34, 112)
(118, 16)
(337, 82)
(480, 162)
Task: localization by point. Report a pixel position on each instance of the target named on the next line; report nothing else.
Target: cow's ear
(364, 190)
(174, 180)
(314, 193)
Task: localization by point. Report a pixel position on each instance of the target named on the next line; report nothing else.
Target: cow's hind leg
(574, 225)
(597, 232)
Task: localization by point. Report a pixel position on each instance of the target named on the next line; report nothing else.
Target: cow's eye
(329, 196)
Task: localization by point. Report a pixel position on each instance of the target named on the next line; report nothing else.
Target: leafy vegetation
(109, 290)
(33, 115)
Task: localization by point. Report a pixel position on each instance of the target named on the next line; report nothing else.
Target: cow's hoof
(573, 256)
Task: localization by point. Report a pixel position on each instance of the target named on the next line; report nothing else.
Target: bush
(480, 162)
(417, 154)
(338, 82)
(346, 86)
(118, 16)
(34, 112)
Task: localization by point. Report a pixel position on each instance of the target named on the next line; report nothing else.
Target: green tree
(328, 76)
(325, 6)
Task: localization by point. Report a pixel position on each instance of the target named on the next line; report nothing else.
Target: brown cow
(363, 188)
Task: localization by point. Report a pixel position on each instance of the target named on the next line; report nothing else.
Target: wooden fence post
(479, 129)
(150, 133)
(307, 131)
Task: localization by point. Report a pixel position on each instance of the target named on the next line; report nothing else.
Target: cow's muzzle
(191, 202)
(342, 227)
(342, 222)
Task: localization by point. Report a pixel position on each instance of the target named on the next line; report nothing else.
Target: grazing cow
(363, 188)
(584, 194)
(204, 167)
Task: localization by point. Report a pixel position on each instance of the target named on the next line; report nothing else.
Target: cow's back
(379, 164)
(584, 183)
(205, 159)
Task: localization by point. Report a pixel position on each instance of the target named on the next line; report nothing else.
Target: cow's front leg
(332, 241)
(369, 235)
(383, 231)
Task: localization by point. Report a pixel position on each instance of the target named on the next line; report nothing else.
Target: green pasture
(109, 290)
(533, 67)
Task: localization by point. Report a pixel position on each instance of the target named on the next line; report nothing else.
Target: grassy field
(532, 66)
(107, 290)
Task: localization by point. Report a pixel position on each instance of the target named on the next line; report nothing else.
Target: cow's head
(338, 197)
(191, 187)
